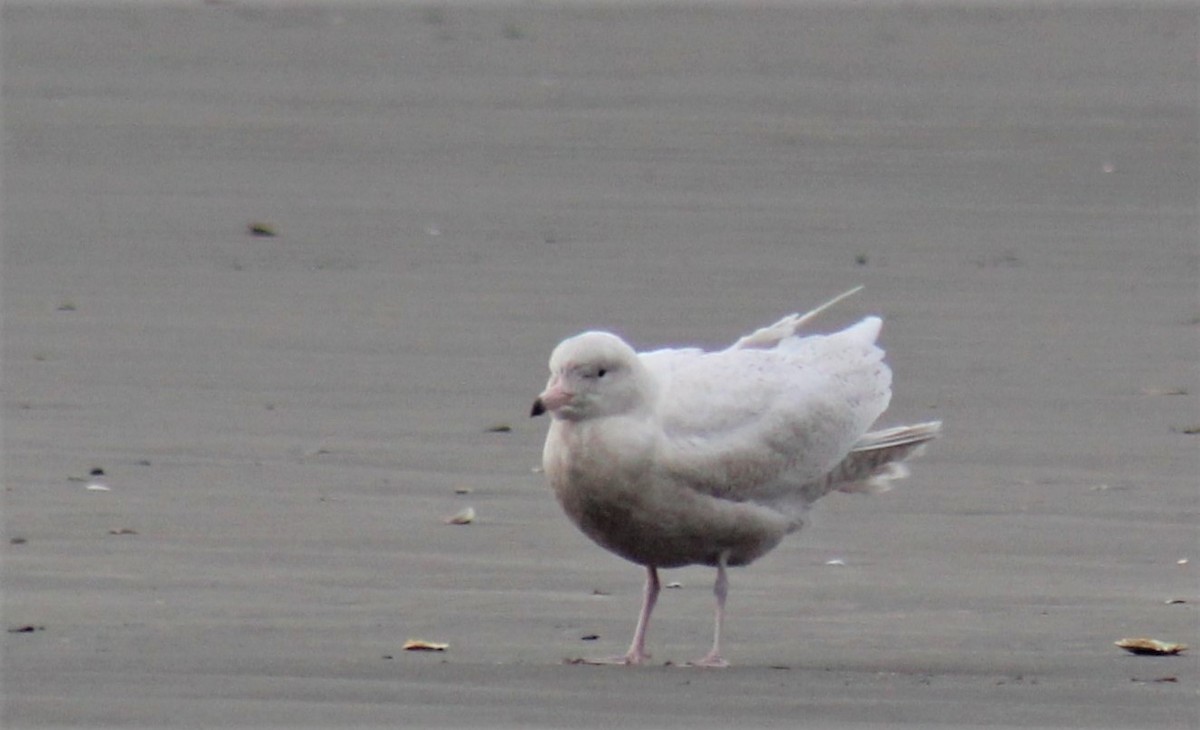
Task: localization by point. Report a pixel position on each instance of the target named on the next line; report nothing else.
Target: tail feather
(877, 460)
(915, 434)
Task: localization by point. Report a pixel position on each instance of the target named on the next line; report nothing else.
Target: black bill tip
(538, 408)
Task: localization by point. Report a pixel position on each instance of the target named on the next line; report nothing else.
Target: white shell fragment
(463, 517)
(1150, 647)
(423, 645)
(97, 481)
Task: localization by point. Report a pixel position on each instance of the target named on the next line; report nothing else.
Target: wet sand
(285, 420)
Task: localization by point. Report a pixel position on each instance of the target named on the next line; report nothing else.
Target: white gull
(680, 456)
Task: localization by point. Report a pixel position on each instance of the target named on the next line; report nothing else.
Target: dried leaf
(423, 645)
(1150, 647)
(463, 517)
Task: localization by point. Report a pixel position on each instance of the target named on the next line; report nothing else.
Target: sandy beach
(441, 193)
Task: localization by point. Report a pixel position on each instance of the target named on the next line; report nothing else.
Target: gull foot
(710, 661)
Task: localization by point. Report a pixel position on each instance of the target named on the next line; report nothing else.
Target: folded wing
(755, 424)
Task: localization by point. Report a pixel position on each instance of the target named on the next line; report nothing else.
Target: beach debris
(423, 645)
(17, 541)
(499, 428)
(673, 584)
(1165, 391)
(513, 31)
(463, 490)
(122, 531)
(589, 637)
(464, 516)
(260, 229)
(600, 592)
(1189, 430)
(1007, 259)
(1150, 647)
(67, 307)
(97, 481)
(836, 562)
(1174, 601)
(1181, 561)
(26, 629)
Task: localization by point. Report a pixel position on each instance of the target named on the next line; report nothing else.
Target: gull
(680, 457)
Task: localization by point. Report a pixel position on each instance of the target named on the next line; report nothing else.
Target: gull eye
(600, 373)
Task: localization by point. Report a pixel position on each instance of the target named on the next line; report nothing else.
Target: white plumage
(681, 456)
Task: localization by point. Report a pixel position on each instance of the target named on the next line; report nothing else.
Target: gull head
(592, 375)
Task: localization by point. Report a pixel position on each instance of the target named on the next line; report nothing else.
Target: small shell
(463, 517)
(423, 645)
(1165, 391)
(1152, 647)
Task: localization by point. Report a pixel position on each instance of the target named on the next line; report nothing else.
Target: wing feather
(747, 423)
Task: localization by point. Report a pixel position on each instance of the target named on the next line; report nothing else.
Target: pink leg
(637, 650)
(720, 590)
